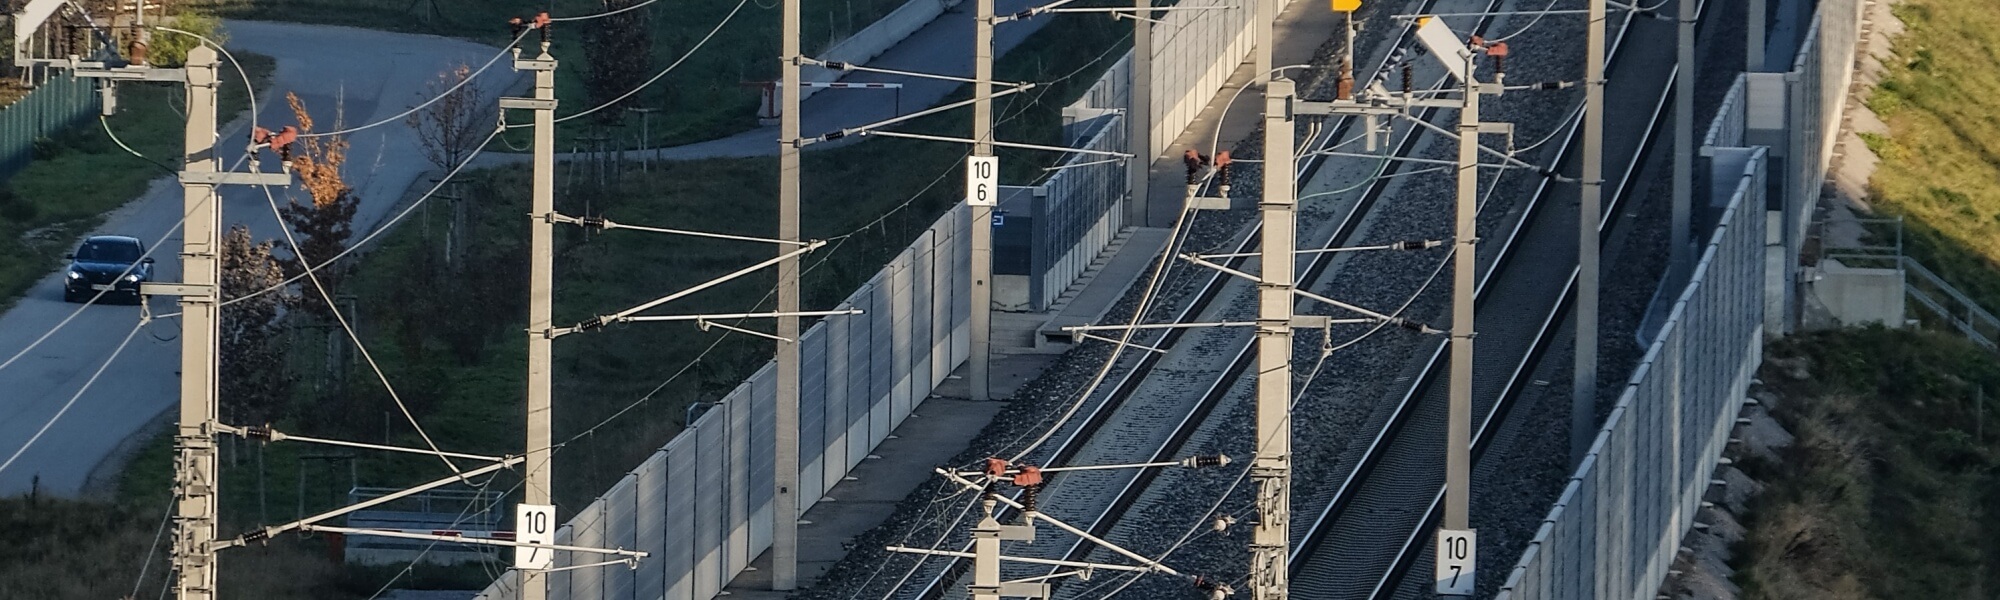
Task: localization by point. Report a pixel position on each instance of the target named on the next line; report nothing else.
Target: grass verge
(1891, 488)
(80, 174)
(1940, 166)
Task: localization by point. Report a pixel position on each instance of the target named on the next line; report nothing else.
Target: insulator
(258, 432)
(1028, 476)
(996, 467)
(1198, 462)
(1409, 78)
(593, 323)
(591, 222)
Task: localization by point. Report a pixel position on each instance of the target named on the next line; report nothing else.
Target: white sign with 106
(1457, 552)
(982, 180)
(534, 524)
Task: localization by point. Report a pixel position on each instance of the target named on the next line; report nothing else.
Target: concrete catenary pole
(1272, 470)
(785, 517)
(195, 482)
(1583, 391)
(1139, 118)
(986, 553)
(541, 289)
(982, 212)
(1458, 437)
(1753, 44)
(1265, 23)
(1683, 147)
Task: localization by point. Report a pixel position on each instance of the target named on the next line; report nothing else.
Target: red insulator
(1029, 476)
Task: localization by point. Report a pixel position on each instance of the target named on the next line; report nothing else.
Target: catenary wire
(663, 72)
(1381, 167)
(79, 392)
(838, 240)
(153, 548)
(101, 120)
(366, 356)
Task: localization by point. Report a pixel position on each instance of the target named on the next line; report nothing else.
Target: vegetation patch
(1940, 166)
(1892, 486)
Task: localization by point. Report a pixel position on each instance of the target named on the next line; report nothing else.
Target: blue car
(113, 264)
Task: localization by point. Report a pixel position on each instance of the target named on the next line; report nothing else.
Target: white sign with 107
(982, 180)
(534, 524)
(1457, 550)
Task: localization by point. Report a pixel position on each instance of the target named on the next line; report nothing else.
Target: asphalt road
(369, 76)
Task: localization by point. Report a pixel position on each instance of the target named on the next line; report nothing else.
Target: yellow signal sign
(1346, 6)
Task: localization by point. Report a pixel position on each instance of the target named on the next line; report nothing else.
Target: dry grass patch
(1891, 486)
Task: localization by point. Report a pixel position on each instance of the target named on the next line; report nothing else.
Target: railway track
(1340, 555)
(1099, 410)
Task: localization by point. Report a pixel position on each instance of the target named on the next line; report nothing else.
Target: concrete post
(1683, 208)
(1753, 46)
(195, 482)
(986, 554)
(1458, 438)
(1590, 212)
(785, 479)
(1139, 119)
(982, 213)
(1270, 548)
(541, 288)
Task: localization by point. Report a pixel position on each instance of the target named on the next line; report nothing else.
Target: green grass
(701, 99)
(1891, 489)
(1940, 165)
(78, 175)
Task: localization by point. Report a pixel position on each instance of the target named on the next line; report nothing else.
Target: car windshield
(108, 251)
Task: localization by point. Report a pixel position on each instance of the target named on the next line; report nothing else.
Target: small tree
(169, 49)
(449, 129)
(618, 54)
(253, 378)
(325, 221)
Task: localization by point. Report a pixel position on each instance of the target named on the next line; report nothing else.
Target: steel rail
(1496, 416)
(1539, 343)
(1130, 380)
